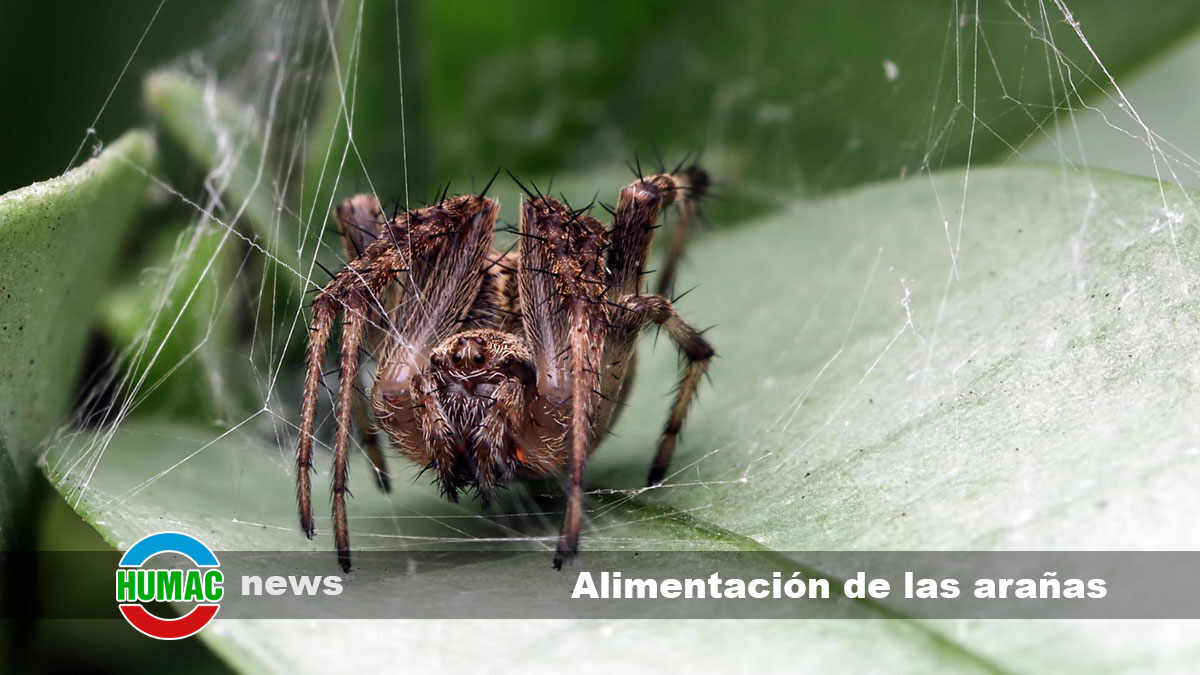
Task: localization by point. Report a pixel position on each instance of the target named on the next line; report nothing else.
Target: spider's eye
(478, 358)
(508, 361)
(460, 342)
(455, 357)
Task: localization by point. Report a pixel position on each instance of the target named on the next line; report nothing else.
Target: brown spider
(495, 365)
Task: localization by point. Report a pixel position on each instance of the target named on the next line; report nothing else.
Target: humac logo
(138, 582)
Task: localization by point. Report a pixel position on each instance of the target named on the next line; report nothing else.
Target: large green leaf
(14, 491)
(893, 374)
(58, 246)
(49, 232)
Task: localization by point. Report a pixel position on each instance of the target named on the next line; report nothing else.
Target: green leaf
(58, 246)
(892, 374)
(14, 488)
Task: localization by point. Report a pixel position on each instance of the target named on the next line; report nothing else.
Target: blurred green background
(788, 99)
(801, 92)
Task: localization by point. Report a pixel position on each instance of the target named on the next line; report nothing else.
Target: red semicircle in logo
(169, 629)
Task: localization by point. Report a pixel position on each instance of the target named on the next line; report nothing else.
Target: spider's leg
(586, 331)
(361, 221)
(636, 217)
(563, 281)
(642, 310)
(363, 278)
(670, 266)
(449, 244)
(692, 184)
(323, 316)
(369, 438)
(352, 330)
(449, 241)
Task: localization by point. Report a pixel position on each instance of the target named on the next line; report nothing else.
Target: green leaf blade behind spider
(58, 242)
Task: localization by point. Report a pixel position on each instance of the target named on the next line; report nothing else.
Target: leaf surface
(58, 245)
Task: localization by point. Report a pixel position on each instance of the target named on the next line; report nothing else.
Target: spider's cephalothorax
(497, 366)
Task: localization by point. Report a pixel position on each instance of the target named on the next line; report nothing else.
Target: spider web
(280, 60)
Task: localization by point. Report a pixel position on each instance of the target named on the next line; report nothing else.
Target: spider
(495, 366)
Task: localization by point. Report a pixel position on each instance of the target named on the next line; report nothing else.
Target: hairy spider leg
(361, 221)
(349, 290)
(323, 316)
(692, 182)
(562, 275)
(637, 213)
(641, 311)
(627, 247)
(352, 330)
(452, 235)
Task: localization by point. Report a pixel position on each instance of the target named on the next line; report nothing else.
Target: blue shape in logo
(176, 542)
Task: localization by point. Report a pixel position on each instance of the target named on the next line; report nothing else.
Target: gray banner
(945, 584)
